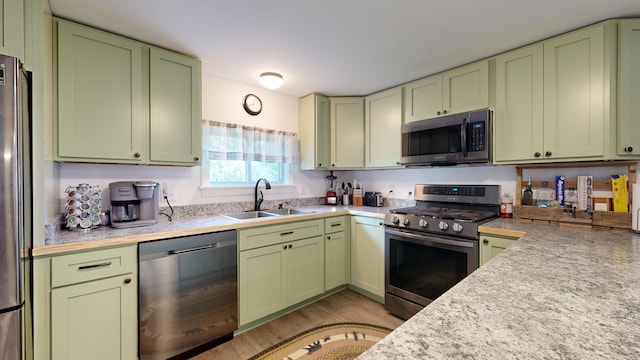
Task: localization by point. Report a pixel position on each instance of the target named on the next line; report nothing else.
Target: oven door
(419, 267)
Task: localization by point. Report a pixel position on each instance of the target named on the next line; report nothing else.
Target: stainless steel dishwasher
(188, 294)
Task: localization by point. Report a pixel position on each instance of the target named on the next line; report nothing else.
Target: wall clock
(252, 104)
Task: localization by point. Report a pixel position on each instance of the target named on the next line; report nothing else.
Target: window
(240, 155)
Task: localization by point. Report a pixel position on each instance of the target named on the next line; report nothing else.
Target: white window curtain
(224, 141)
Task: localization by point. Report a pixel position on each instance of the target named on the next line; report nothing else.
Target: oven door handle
(463, 137)
(432, 239)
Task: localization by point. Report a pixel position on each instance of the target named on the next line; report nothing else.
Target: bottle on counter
(527, 195)
(570, 202)
(545, 195)
(506, 206)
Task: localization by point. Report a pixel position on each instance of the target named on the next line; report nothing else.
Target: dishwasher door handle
(205, 247)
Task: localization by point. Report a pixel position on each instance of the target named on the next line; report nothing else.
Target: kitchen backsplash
(181, 212)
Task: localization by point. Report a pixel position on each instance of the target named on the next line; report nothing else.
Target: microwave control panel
(478, 136)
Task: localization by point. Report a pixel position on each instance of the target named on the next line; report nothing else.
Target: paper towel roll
(635, 204)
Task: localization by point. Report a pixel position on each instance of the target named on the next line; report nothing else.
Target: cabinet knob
(537, 154)
(485, 241)
(328, 237)
(136, 155)
(290, 246)
(438, 113)
(333, 165)
(284, 247)
(127, 280)
(548, 153)
(320, 165)
(628, 149)
(444, 111)
(195, 158)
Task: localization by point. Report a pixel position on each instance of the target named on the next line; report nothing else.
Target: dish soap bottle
(527, 196)
(506, 206)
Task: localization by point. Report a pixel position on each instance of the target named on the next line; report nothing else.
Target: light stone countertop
(557, 293)
(106, 236)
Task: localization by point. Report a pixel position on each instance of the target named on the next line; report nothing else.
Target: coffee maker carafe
(134, 203)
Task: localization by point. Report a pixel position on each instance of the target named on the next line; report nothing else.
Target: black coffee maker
(134, 203)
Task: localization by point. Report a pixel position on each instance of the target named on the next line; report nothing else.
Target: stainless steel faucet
(257, 200)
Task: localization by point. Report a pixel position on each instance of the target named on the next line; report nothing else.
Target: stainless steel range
(432, 246)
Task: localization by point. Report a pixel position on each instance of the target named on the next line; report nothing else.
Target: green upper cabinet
(574, 66)
(100, 92)
(347, 132)
(458, 90)
(314, 132)
(383, 119)
(518, 113)
(175, 108)
(12, 28)
(628, 141)
(551, 99)
(466, 88)
(423, 98)
(121, 101)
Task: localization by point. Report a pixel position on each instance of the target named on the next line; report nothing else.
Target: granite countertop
(557, 293)
(105, 236)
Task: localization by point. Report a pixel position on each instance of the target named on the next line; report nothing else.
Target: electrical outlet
(166, 192)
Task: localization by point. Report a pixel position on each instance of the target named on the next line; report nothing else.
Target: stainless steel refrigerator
(15, 202)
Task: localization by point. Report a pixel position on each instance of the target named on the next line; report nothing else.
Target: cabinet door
(95, 320)
(12, 28)
(262, 289)
(100, 95)
(423, 98)
(314, 131)
(383, 114)
(466, 88)
(305, 270)
(347, 132)
(629, 85)
(491, 245)
(367, 254)
(574, 95)
(175, 108)
(518, 117)
(335, 260)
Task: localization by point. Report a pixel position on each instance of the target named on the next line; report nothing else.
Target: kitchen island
(557, 293)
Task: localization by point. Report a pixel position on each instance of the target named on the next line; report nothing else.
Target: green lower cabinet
(85, 305)
(492, 245)
(335, 246)
(367, 255)
(95, 320)
(275, 277)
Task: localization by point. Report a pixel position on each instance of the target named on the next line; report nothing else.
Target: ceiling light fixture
(271, 80)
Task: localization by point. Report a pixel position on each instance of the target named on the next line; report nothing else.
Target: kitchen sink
(266, 213)
(284, 212)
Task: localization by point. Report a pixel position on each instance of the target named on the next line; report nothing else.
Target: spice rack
(555, 215)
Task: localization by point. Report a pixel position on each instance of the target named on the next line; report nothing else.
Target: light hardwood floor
(343, 306)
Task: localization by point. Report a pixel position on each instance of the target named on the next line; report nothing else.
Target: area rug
(341, 341)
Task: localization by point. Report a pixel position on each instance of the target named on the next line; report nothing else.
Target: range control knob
(423, 223)
(443, 226)
(457, 227)
(395, 220)
(406, 221)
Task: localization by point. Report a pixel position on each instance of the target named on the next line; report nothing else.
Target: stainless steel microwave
(463, 138)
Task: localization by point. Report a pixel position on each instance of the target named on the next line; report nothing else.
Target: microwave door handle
(463, 137)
